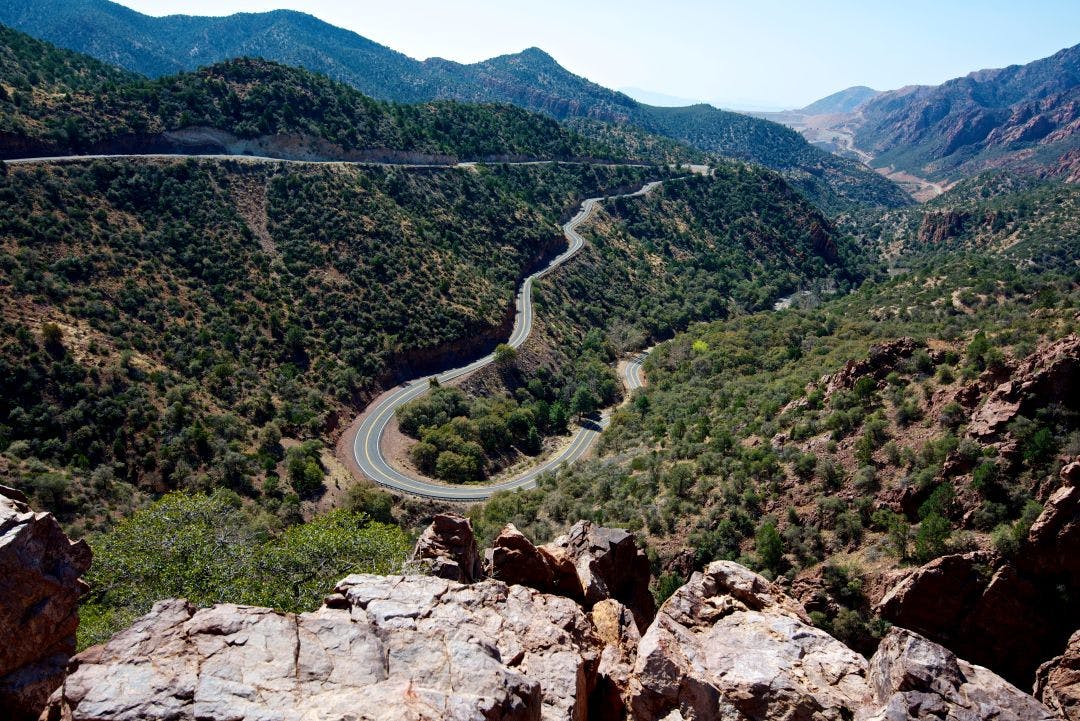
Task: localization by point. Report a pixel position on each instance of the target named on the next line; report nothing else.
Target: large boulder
(40, 586)
(608, 564)
(448, 549)
(1057, 682)
(915, 679)
(590, 564)
(514, 559)
(412, 647)
(730, 645)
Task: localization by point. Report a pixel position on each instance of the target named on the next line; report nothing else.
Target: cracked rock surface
(412, 647)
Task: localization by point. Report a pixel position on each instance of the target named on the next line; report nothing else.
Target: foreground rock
(39, 594)
(1057, 683)
(730, 645)
(589, 563)
(448, 549)
(412, 647)
(914, 678)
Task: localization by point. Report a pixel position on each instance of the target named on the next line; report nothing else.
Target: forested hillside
(784, 440)
(166, 322)
(531, 79)
(62, 103)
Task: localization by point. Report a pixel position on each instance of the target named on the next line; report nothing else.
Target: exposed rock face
(880, 360)
(412, 647)
(1050, 375)
(514, 559)
(39, 594)
(1008, 615)
(913, 678)
(730, 645)
(590, 563)
(448, 547)
(1057, 683)
(608, 564)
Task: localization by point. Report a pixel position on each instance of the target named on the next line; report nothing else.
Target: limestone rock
(413, 647)
(1057, 683)
(448, 548)
(918, 680)
(730, 645)
(40, 586)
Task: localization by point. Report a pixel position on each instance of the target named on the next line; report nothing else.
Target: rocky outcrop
(1011, 614)
(730, 645)
(590, 563)
(40, 586)
(1049, 375)
(1057, 683)
(608, 564)
(914, 679)
(514, 559)
(448, 549)
(383, 648)
(880, 360)
(727, 645)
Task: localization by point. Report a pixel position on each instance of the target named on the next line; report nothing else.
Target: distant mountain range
(1024, 117)
(844, 101)
(531, 79)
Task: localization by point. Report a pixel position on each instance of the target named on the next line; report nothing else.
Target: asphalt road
(367, 444)
(633, 376)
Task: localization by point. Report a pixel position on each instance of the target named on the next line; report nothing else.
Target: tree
(505, 355)
(930, 540)
(769, 545)
(52, 337)
(584, 402)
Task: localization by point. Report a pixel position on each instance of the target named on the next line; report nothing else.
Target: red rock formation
(448, 548)
(1057, 682)
(40, 586)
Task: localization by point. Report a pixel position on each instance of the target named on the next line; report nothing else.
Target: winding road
(367, 444)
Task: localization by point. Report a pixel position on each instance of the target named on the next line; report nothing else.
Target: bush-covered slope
(694, 249)
(301, 114)
(165, 322)
(738, 448)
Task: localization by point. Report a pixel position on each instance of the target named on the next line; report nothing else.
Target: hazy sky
(733, 53)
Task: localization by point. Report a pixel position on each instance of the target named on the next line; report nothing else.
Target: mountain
(65, 103)
(844, 101)
(1022, 116)
(531, 79)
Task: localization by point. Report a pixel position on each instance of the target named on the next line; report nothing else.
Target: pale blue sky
(761, 53)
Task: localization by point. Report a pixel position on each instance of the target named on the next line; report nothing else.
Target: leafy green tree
(930, 540)
(505, 355)
(584, 402)
(769, 546)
